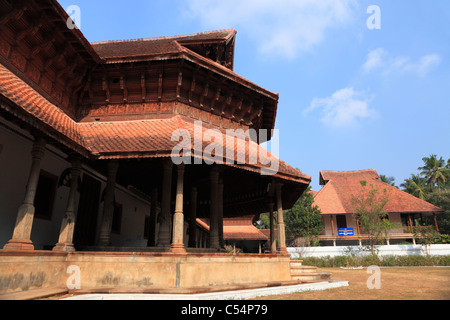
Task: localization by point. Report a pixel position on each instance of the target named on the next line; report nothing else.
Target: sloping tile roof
(337, 194)
(152, 138)
(236, 230)
(326, 175)
(156, 46)
(33, 106)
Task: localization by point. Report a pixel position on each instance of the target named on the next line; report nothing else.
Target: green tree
(434, 171)
(388, 180)
(432, 184)
(369, 211)
(303, 219)
(416, 185)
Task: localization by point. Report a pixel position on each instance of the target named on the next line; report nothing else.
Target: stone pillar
(220, 212)
(214, 212)
(177, 245)
(281, 228)
(273, 242)
(151, 242)
(193, 219)
(21, 239)
(65, 242)
(164, 226)
(108, 205)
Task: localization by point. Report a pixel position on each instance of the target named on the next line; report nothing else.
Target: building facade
(120, 146)
(338, 210)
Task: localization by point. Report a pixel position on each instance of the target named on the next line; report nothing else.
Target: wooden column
(164, 227)
(332, 225)
(435, 222)
(193, 219)
(273, 241)
(21, 239)
(108, 205)
(410, 223)
(65, 242)
(281, 228)
(151, 242)
(214, 212)
(177, 245)
(220, 212)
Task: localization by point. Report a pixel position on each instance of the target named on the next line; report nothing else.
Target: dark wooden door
(341, 221)
(86, 224)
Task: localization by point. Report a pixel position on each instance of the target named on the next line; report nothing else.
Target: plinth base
(19, 245)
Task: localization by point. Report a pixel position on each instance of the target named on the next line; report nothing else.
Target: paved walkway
(224, 295)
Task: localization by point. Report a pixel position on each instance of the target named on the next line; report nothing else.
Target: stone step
(303, 269)
(317, 276)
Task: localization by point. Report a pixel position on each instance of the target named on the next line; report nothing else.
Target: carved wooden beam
(245, 111)
(219, 53)
(20, 7)
(143, 87)
(105, 87)
(227, 102)
(238, 106)
(123, 87)
(193, 83)
(205, 89)
(180, 79)
(217, 95)
(160, 84)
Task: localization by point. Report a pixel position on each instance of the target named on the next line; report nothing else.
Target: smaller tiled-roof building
(238, 232)
(335, 202)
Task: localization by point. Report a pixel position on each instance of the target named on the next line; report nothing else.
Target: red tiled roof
(152, 138)
(337, 194)
(156, 46)
(326, 175)
(33, 105)
(236, 230)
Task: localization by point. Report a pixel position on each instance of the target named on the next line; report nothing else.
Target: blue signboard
(345, 231)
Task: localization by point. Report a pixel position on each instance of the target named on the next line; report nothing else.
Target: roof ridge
(161, 37)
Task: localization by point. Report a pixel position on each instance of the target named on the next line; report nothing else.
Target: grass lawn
(397, 283)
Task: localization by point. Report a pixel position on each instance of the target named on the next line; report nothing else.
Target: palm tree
(434, 171)
(388, 180)
(415, 185)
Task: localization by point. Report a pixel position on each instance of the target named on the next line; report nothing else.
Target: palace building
(87, 174)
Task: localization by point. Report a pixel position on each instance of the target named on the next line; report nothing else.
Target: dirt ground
(414, 283)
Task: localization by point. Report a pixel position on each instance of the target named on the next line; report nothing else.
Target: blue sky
(351, 97)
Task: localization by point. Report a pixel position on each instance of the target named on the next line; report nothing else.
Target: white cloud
(375, 59)
(344, 108)
(380, 59)
(285, 28)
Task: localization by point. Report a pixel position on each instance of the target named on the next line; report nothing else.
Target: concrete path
(224, 295)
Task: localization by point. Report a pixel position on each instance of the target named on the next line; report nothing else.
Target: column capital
(38, 150)
(278, 186)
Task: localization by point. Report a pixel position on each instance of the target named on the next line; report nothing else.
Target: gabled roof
(146, 47)
(326, 175)
(340, 188)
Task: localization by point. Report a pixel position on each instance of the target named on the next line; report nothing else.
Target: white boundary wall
(391, 250)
